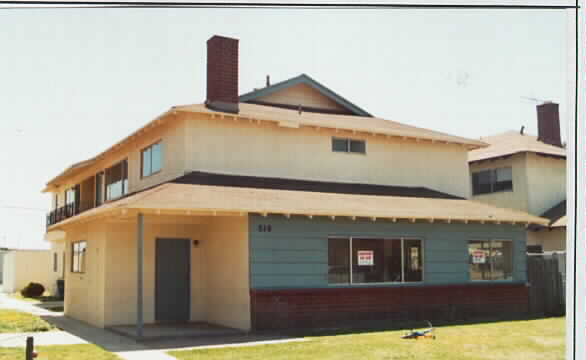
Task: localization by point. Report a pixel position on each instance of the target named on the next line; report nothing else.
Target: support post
(139, 274)
(29, 351)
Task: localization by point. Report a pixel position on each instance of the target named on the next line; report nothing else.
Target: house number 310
(264, 228)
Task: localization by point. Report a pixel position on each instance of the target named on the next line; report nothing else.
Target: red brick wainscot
(311, 308)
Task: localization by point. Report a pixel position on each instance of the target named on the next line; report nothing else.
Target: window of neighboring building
(78, 250)
(117, 180)
(490, 259)
(493, 180)
(348, 145)
(367, 260)
(151, 160)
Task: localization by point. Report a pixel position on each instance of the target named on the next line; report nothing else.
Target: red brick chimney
(548, 124)
(222, 76)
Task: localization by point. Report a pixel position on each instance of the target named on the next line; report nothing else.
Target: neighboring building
(287, 206)
(526, 173)
(21, 267)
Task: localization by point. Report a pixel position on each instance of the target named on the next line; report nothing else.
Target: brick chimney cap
(220, 37)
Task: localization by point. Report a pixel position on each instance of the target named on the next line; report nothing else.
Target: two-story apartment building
(527, 173)
(286, 206)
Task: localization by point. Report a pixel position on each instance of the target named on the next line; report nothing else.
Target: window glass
(54, 262)
(413, 256)
(146, 162)
(504, 179)
(338, 261)
(117, 180)
(502, 260)
(340, 145)
(156, 157)
(376, 260)
(489, 181)
(78, 251)
(357, 146)
(490, 260)
(99, 186)
(70, 196)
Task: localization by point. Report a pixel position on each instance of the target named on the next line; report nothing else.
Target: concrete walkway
(76, 332)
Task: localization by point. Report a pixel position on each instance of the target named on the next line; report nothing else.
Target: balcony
(68, 211)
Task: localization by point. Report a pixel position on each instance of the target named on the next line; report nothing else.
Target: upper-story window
(117, 180)
(151, 160)
(493, 180)
(348, 145)
(70, 196)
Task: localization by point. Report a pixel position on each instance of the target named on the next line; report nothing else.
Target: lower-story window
(490, 259)
(78, 250)
(368, 260)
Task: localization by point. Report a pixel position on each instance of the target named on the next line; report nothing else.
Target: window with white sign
(490, 260)
(374, 260)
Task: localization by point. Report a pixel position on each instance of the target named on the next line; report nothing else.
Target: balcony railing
(67, 211)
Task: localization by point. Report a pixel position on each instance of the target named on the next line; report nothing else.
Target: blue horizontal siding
(294, 253)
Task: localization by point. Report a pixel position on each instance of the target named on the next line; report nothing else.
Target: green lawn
(541, 339)
(60, 352)
(12, 321)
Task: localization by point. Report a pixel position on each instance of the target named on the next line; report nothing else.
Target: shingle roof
(512, 142)
(305, 79)
(556, 215)
(256, 182)
(204, 199)
(371, 125)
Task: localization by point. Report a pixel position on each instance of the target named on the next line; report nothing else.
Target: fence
(546, 274)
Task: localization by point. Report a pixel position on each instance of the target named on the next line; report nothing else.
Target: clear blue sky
(73, 82)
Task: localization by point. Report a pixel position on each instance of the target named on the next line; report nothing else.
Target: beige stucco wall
(172, 136)
(301, 94)
(225, 244)
(546, 179)
(515, 199)
(84, 292)
(265, 149)
(219, 268)
(550, 240)
(24, 266)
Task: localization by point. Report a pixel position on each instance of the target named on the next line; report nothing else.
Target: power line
(21, 208)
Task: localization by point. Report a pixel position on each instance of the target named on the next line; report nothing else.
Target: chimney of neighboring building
(548, 124)
(222, 76)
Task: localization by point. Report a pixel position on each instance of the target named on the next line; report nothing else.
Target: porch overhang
(205, 200)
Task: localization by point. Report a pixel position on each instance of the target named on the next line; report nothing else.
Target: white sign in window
(365, 258)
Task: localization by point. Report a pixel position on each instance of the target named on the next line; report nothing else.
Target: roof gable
(305, 91)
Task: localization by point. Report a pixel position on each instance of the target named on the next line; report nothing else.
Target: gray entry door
(172, 284)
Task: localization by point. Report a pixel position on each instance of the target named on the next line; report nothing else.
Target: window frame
(493, 180)
(348, 145)
(80, 265)
(491, 270)
(55, 262)
(142, 151)
(402, 238)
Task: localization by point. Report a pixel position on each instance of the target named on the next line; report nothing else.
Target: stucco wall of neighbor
(301, 94)
(550, 240)
(121, 267)
(24, 266)
(84, 292)
(265, 149)
(172, 136)
(225, 242)
(518, 198)
(546, 182)
(294, 254)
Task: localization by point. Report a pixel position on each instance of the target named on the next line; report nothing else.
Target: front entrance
(172, 280)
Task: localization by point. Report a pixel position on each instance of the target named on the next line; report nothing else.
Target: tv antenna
(536, 100)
